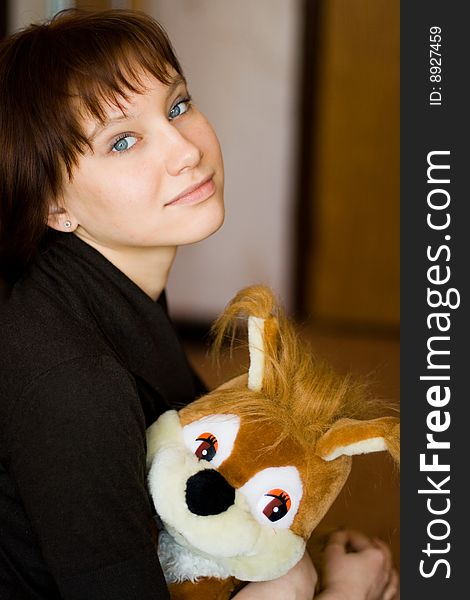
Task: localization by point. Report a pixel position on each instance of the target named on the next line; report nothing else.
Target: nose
(183, 154)
(209, 493)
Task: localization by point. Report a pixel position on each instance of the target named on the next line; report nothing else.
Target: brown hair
(51, 76)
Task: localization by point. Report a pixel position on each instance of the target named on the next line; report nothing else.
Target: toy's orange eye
(279, 506)
(207, 449)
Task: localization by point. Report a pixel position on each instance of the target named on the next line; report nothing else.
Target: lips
(196, 193)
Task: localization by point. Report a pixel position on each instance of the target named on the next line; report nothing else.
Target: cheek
(212, 146)
(112, 186)
(203, 135)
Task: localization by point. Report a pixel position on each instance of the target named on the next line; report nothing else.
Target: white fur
(165, 430)
(256, 349)
(233, 540)
(375, 444)
(276, 552)
(232, 532)
(181, 564)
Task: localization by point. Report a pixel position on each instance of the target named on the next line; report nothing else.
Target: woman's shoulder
(75, 397)
(39, 332)
(43, 348)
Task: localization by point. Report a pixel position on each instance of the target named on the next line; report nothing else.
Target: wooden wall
(352, 251)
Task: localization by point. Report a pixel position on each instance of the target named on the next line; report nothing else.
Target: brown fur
(302, 412)
(300, 392)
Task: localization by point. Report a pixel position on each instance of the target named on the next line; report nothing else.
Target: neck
(148, 268)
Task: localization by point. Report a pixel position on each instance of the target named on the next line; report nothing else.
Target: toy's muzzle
(208, 493)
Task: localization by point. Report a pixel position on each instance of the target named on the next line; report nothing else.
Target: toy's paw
(204, 589)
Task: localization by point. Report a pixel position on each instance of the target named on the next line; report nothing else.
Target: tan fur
(298, 388)
(347, 432)
(302, 413)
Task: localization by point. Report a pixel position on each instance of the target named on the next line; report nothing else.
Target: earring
(68, 224)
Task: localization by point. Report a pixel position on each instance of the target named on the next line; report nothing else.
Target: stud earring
(68, 224)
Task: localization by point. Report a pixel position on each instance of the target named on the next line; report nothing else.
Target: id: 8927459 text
(435, 66)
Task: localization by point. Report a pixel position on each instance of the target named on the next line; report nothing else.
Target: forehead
(258, 446)
(261, 441)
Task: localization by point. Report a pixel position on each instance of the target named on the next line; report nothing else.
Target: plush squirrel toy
(242, 476)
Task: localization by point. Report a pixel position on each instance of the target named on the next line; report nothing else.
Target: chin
(204, 227)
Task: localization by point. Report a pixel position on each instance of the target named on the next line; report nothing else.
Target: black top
(87, 362)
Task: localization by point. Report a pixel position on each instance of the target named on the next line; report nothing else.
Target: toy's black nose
(208, 493)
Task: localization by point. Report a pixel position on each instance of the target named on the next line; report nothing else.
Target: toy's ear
(349, 437)
(264, 317)
(262, 341)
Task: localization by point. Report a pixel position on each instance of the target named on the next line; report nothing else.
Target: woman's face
(154, 176)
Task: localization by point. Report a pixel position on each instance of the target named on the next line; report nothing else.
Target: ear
(262, 336)
(256, 349)
(59, 219)
(349, 437)
(258, 303)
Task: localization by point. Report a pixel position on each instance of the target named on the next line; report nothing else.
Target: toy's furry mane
(297, 387)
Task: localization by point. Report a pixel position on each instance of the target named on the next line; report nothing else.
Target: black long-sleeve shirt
(87, 362)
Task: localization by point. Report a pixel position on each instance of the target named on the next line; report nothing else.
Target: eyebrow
(126, 116)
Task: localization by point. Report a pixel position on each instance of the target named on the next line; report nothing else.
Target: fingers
(387, 553)
(391, 575)
(336, 545)
(358, 541)
(391, 592)
(348, 541)
(343, 542)
(360, 566)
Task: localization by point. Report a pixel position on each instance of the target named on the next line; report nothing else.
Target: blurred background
(304, 96)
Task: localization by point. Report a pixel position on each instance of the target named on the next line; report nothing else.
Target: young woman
(106, 167)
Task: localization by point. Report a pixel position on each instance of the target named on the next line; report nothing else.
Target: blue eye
(124, 143)
(180, 108)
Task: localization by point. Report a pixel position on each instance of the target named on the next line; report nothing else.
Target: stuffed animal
(241, 476)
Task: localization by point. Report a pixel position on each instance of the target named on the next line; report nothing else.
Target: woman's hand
(297, 584)
(358, 568)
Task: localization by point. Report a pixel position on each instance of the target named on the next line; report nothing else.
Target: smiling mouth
(198, 193)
